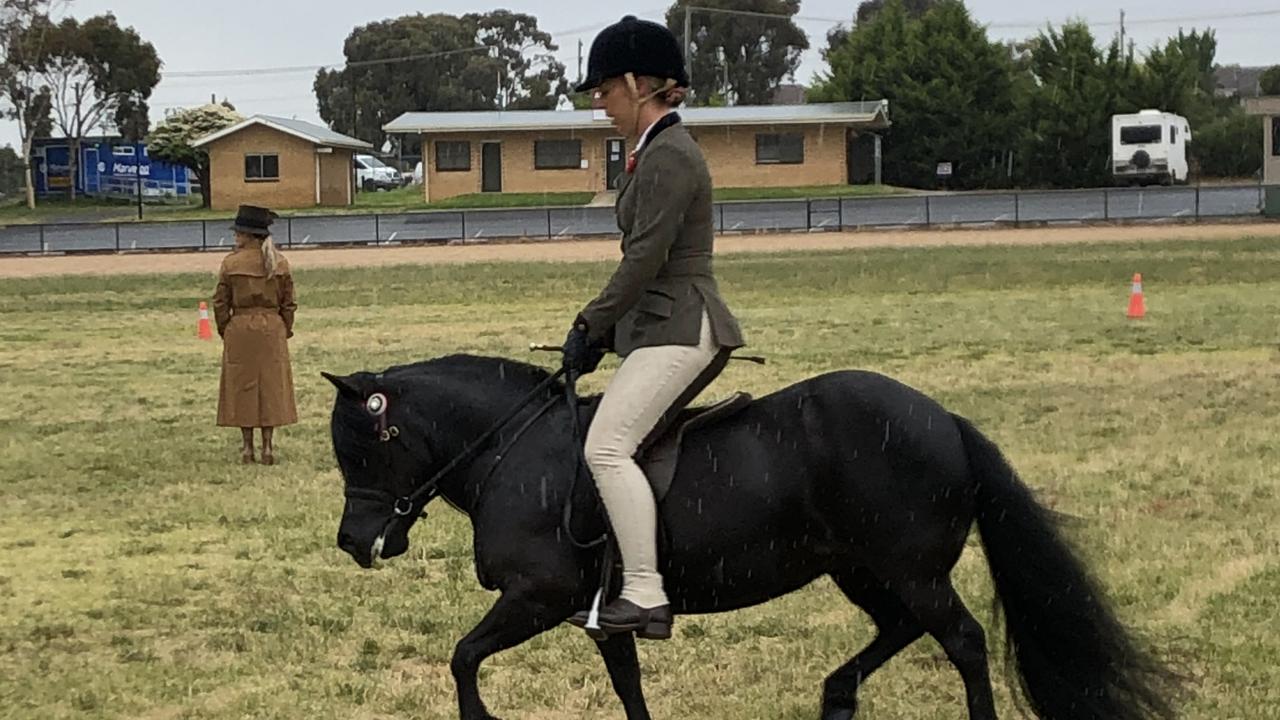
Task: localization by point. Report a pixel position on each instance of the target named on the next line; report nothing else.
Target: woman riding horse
(661, 310)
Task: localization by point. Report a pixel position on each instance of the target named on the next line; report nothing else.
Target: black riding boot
(624, 616)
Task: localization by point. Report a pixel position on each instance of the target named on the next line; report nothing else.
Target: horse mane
(353, 429)
(485, 367)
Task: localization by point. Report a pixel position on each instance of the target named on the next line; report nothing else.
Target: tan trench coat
(254, 315)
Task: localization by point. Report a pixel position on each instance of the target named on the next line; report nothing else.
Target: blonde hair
(270, 256)
(664, 90)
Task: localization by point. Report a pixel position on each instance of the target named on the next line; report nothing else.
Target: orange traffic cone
(203, 331)
(1137, 304)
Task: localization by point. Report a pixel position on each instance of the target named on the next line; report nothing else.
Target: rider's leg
(647, 384)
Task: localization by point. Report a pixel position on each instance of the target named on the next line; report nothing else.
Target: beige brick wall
(518, 172)
(731, 156)
(730, 153)
(295, 188)
(335, 178)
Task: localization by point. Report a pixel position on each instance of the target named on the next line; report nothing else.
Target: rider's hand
(581, 353)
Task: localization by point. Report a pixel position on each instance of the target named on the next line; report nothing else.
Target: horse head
(384, 457)
(400, 435)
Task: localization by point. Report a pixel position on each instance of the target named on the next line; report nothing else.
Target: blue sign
(108, 168)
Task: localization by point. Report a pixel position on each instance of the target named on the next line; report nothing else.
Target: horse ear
(346, 386)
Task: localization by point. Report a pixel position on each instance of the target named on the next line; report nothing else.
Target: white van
(1149, 147)
(373, 174)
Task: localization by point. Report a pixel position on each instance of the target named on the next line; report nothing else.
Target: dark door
(861, 157)
(491, 164)
(615, 162)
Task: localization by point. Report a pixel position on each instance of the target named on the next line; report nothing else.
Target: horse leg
(619, 652)
(943, 614)
(513, 619)
(896, 628)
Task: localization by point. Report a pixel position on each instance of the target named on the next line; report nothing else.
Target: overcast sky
(235, 34)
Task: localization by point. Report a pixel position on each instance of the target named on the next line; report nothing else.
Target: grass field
(145, 575)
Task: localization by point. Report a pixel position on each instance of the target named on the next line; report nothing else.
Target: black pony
(849, 474)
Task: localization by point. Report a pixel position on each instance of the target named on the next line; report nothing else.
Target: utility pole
(579, 60)
(688, 42)
(1122, 31)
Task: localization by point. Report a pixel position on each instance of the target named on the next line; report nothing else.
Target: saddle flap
(660, 458)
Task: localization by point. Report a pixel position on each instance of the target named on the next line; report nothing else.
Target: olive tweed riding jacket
(664, 282)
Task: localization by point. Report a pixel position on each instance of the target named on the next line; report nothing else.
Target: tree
(952, 103)
(99, 74)
(1068, 110)
(1270, 81)
(473, 62)
(171, 140)
(868, 9)
(29, 100)
(11, 171)
(740, 56)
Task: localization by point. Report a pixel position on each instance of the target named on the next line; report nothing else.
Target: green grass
(144, 574)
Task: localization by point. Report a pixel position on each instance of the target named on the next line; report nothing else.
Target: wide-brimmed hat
(634, 46)
(253, 220)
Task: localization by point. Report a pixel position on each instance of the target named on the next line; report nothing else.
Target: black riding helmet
(634, 46)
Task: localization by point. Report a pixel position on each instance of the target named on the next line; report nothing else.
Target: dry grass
(145, 575)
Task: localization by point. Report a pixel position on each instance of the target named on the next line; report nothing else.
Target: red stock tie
(631, 163)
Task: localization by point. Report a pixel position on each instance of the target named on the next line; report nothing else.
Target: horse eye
(376, 404)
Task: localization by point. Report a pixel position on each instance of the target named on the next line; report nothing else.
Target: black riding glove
(581, 353)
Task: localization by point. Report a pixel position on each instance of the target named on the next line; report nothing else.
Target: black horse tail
(1072, 656)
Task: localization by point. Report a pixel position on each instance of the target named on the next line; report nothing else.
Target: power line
(572, 32)
(1151, 21)
(288, 70)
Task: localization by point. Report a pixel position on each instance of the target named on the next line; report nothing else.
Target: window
(774, 149)
(1275, 136)
(122, 150)
(1173, 134)
(262, 167)
(453, 156)
(1140, 134)
(557, 154)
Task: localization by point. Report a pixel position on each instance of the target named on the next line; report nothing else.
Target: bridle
(403, 504)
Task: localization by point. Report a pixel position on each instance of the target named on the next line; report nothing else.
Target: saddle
(659, 454)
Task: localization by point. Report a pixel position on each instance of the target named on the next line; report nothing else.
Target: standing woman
(661, 310)
(253, 306)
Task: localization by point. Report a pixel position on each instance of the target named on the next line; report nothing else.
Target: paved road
(777, 215)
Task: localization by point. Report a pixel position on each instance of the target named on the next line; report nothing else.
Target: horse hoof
(838, 713)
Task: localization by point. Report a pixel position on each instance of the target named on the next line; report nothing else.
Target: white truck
(1149, 146)
(373, 174)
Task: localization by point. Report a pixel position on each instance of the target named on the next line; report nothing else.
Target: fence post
(43, 248)
(721, 208)
(1017, 209)
(377, 229)
(840, 213)
(288, 232)
(1197, 203)
(204, 234)
(808, 214)
(548, 223)
(117, 237)
(462, 214)
(1106, 204)
(928, 211)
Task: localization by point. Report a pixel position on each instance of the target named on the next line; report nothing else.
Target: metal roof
(873, 114)
(298, 128)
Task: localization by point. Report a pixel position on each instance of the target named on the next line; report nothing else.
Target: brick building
(579, 151)
(280, 163)
(1269, 109)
